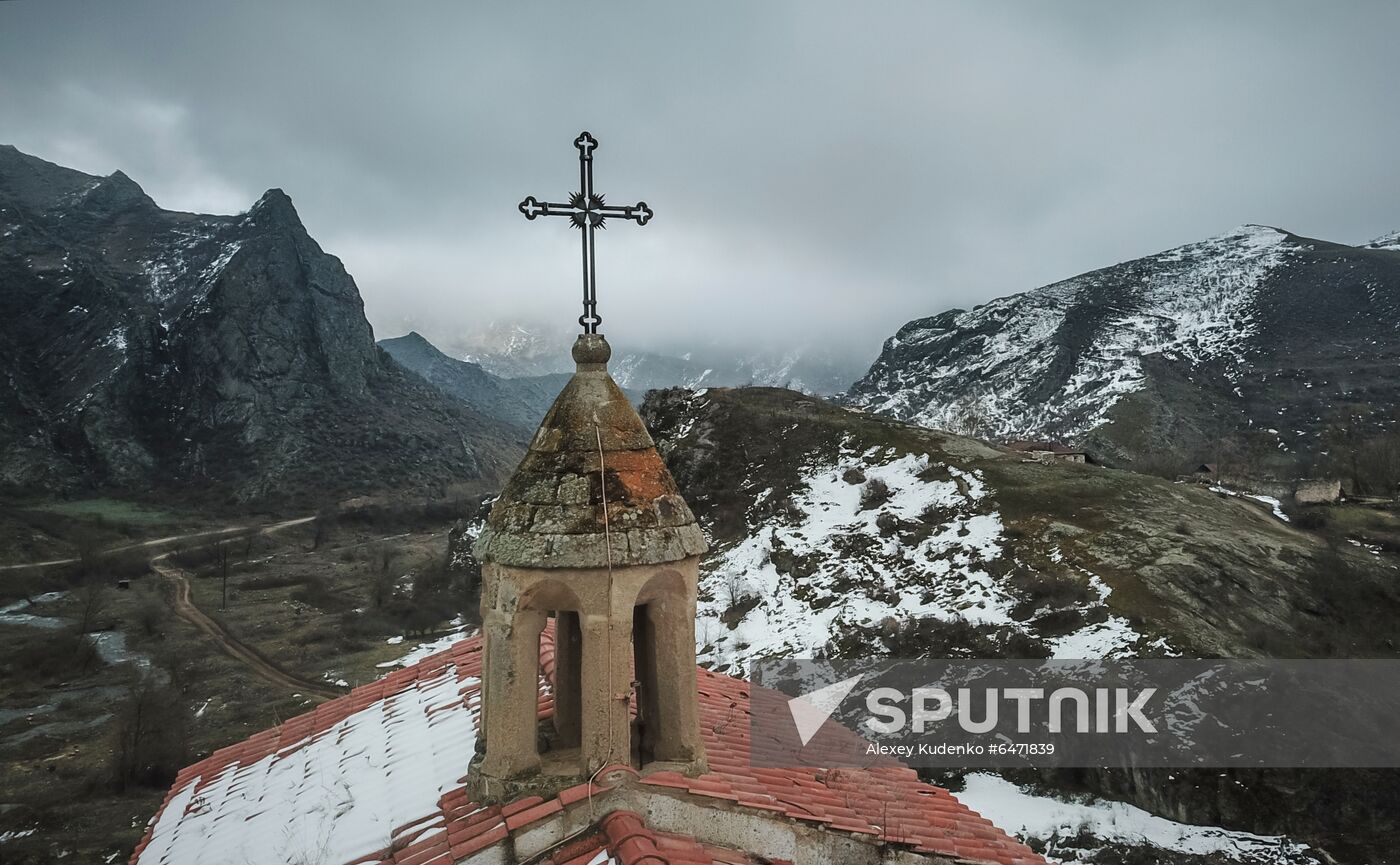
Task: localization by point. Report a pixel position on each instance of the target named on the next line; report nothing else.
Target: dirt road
(179, 583)
(209, 534)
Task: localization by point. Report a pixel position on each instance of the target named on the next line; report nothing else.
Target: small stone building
(1318, 491)
(1048, 451)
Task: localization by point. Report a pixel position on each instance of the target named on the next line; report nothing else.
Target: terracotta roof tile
(887, 801)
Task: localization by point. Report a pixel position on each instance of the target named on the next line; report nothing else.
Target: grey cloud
(817, 168)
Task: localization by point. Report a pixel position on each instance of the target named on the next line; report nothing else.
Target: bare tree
(1378, 465)
(89, 553)
(382, 560)
(92, 603)
(223, 551)
(734, 591)
(151, 736)
(324, 524)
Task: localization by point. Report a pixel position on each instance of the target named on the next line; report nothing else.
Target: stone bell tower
(591, 534)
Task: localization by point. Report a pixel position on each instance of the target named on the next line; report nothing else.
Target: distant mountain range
(521, 402)
(516, 349)
(1258, 346)
(143, 348)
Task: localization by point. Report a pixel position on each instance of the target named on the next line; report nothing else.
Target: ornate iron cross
(586, 211)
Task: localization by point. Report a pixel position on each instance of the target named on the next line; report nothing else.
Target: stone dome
(551, 513)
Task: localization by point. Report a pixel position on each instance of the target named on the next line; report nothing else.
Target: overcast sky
(816, 169)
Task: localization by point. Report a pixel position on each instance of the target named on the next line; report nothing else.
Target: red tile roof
(887, 802)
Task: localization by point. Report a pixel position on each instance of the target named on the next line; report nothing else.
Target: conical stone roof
(551, 513)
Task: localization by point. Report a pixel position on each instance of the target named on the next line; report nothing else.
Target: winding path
(231, 645)
(185, 608)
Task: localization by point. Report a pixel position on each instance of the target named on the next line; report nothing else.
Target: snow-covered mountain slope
(836, 532)
(842, 533)
(1385, 241)
(1255, 332)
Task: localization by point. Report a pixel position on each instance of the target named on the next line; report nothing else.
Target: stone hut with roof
(576, 729)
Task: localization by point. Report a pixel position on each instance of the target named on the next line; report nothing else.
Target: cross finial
(587, 211)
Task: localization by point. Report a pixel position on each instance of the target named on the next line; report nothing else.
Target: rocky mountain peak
(275, 207)
(37, 185)
(113, 194)
(206, 352)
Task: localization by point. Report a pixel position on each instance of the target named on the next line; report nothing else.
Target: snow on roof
(328, 786)
(376, 776)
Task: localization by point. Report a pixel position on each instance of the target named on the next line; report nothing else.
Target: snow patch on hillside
(1062, 825)
(1385, 241)
(457, 630)
(189, 264)
(819, 591)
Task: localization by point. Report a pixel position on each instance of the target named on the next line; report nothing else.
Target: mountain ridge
(152, 349)
(1166, 354)
(518, 401)
(514, 349)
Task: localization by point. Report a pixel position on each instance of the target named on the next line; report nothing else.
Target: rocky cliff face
(1258, 337)
(146, 348)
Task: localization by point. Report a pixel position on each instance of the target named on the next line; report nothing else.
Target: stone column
(607, 685)
(676, 737)
(512, 675)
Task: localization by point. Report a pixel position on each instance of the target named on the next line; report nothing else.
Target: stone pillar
(511, 689)
(676, 735)
(568, 683)
(607, 686)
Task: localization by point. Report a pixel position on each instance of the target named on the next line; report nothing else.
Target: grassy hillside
(1056, 559)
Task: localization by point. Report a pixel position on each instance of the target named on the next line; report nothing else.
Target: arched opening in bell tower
(647, 720)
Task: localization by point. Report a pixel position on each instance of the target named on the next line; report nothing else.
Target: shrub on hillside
(875, 493)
